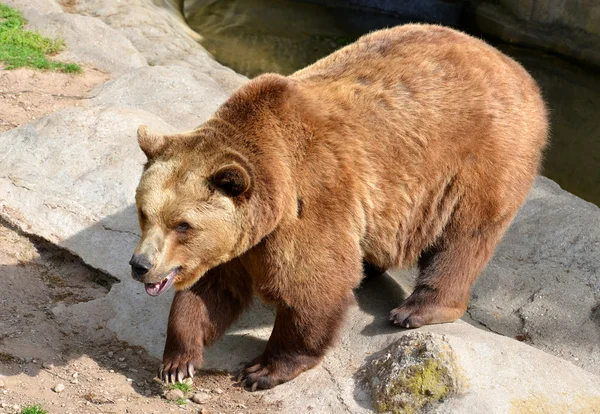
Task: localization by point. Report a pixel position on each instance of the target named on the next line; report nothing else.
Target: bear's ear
(232, 179)
(151, 143)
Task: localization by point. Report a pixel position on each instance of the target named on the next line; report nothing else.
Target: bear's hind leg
(446, 273)
(200, 315)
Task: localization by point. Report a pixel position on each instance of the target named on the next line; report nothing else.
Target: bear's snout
(140, 265)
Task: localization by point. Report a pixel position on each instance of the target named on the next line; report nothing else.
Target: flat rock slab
(88, 41)
(543, 285)
(178, 95)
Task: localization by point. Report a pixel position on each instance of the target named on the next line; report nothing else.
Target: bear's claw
(174, 372)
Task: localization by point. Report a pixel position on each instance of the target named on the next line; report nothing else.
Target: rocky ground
(41, 353)
(67, 181)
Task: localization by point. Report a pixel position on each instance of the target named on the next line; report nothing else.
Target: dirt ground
(39, 350)
(27, 94)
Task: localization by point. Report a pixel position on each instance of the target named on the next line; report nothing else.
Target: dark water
(258, 36)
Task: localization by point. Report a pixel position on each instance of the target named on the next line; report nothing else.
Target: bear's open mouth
(155, 289)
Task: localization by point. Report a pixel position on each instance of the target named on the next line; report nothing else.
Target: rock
(162, 37)
(218, 391)
(561, 35)
(179, 96)
(110, 354)
(542, 285)
(58, 388)
(48, 365)
(75, 375)
(174, 395)
(89, 41)
(2, 385)
(418, 370)
(201, 397)
(203, 411)
(34, 7)
(74, 381)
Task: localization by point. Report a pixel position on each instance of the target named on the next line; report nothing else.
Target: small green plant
(34, 409)
(20, 47)
(181, 401)
(184, 387)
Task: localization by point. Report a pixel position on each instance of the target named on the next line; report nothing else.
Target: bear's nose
(139, 266)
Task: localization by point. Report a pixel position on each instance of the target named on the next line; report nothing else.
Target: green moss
(34, 409)
(19, 48)
(429, 380)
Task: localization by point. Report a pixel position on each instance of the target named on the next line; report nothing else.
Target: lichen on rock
(413, 374)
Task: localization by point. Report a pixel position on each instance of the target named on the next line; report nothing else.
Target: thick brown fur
(415, 144)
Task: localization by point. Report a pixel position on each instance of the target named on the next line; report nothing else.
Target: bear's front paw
(266, 372)
(177, 367)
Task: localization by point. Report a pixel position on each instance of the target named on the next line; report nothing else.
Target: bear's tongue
(155, 289)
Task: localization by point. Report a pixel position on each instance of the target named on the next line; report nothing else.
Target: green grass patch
(34, 409)
(19, 47)
(181, 401)
(182, 386)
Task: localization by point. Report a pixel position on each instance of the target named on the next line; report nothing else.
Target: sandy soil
(38, 349)
(27, 94)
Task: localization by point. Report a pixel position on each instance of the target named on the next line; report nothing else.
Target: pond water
(258, 36)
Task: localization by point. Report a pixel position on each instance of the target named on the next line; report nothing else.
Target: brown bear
(414, 145)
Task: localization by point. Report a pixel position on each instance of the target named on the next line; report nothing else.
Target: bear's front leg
(200, 315)
(300, 338)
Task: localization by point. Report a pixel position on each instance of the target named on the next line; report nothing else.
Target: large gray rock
(34, 7)
(88, 41)
(543, 285)
(178, 95)
(159, 34)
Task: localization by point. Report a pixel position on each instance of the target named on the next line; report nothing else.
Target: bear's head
(207, 196)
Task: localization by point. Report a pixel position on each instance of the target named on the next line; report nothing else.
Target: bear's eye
(143, 216)
(182, 227)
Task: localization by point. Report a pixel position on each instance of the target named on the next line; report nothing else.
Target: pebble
(59, 388)
(75, 375)
(174, 395)
(48, 365)
(129, 380)
(3, 404)
(74, 381)
(242, 406)
(201, 397)
(110, 354)
(121, 359)
(2, 385)
(148, 392)
(218, 391)
(204, 411)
